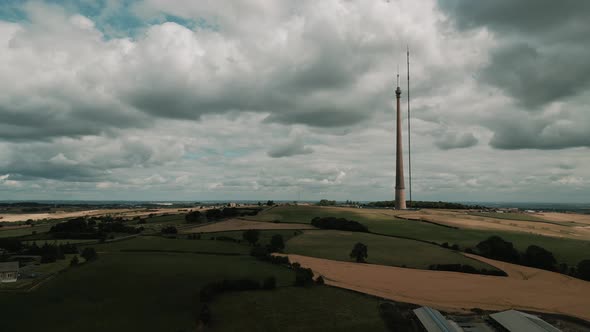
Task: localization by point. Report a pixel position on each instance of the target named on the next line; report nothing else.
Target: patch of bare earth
(525, 288)
(462, 219)
(240, 224)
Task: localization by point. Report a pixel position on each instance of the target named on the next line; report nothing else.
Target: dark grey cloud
(454, 141)
(540, 57)
(292, 148)
(523, 132)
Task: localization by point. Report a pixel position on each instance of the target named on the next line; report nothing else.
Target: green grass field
(568, 251)
(265, 235)
(24, 231)
(382, 250)
(131, 291)
(147, 243)
(298, 309)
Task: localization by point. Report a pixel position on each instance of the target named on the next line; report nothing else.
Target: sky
(288, 100)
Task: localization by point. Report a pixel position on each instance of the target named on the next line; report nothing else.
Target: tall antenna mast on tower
(409, 127)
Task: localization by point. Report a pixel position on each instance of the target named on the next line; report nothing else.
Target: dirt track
(240, 224)
(525, 288)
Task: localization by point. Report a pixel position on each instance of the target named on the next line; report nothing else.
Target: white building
(8, 271)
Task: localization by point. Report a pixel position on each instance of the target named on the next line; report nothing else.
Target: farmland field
(570, 251)
(382, 250)
(159, 292)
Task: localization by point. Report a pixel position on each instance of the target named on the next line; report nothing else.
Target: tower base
(400, 199)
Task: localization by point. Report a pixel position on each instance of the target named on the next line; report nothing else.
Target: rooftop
(514, 320)
(434, 321)
(8, 266)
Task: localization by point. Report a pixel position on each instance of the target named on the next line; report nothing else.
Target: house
(8, 271)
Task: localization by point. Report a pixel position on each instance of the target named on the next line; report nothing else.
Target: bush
(338, 223)
(319, 281)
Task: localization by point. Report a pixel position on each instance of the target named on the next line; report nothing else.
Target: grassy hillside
(137, 291)
(381, 249)
(565, 250)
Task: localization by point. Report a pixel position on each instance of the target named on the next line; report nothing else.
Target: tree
(270, 203)
(89, 254)
(496, 248)
(584, 269)
(251, 236)
(538, 257)
(277, 243)
(359, 252)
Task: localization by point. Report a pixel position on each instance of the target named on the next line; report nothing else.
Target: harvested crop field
(124, 213)
(240, 224)
(525, 288)
(557, 225)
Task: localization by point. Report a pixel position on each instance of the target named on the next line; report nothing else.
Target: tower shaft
(400, 194)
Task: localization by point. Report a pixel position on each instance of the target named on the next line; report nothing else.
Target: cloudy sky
(280, 99)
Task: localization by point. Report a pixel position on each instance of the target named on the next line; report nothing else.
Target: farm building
(516, 321)
(433, 321)
(8, 271)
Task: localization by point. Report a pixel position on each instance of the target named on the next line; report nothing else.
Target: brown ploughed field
(525, 288)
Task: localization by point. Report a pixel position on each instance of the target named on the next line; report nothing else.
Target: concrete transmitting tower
(400, 194)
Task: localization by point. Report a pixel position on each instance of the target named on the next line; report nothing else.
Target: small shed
(8, 271)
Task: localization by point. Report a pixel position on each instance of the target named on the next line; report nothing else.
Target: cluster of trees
(325, 202)
(338, 223)
(263, 252)
(80, 228)
(218, 214)
(51, 252)
(466, 269)
(534, 256)
(497, 248)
